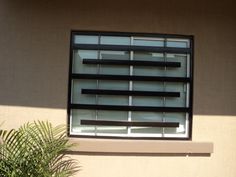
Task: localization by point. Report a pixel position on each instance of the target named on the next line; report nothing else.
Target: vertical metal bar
(69, 99)
(186, 91)
(191, 71)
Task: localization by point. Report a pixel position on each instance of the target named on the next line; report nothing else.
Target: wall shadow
(34, 46)
(141, 154)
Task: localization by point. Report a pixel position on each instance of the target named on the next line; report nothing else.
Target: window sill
(110, 146)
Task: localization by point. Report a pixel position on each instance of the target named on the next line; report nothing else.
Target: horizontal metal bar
(127, 92)
(126, 123)
(127, 77)
(129, 34)
(131, 48)
(131, 62)
(129, 108)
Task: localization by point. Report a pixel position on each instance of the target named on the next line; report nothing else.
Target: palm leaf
(36, 149)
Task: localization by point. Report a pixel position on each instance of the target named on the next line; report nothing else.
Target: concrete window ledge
(111, 146)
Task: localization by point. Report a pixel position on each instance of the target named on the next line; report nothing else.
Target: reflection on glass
(114, 69)
(77, 116)
(85, 39)
(176, 117)
(77, 97)
(176, 101)
(118, 55)
(177, 71)
(148, 56)
(113, 100)
(147, 117)
(148, 86)
(179, 43)
(79, 67)
(115, 40)
(113, 85)
(112, 116)
(148, 70)
(150, 101)
(149, 42)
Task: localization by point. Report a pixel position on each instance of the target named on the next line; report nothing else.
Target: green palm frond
(36, 149)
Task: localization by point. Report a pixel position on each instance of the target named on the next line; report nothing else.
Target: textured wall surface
(34, 59)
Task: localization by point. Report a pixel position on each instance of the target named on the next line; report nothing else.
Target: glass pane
(113, 100)
(77, 116)
(147, 130)
(113, 40)
(110, 99)
(113, 116)
(79, 67)
(112, 130)
(113, 85)
(118, 55)
(114, 69)
(179, 43)
(148, 56)
(148, 86)
(148, 70)
(178, 71)
(149, 42)
(77, 97)
(176, 101)
(85, 39)
(148, 101)
(147, 117)
(176, 117)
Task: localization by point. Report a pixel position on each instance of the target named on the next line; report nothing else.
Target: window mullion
(130, 85)
(97, 82)
(164, 89)
(187, 95)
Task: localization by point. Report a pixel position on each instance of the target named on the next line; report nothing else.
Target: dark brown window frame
(189, 51)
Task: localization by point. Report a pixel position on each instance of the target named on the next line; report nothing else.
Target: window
(125, 85)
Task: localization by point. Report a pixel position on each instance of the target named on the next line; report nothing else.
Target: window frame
(129, 48)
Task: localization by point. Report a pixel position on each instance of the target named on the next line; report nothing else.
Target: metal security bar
(126, 123)
(131, 93)
(128, 77)
(132, 48)
(131, 62)
(129, 108)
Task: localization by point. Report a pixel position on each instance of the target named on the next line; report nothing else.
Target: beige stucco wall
(34, 58)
